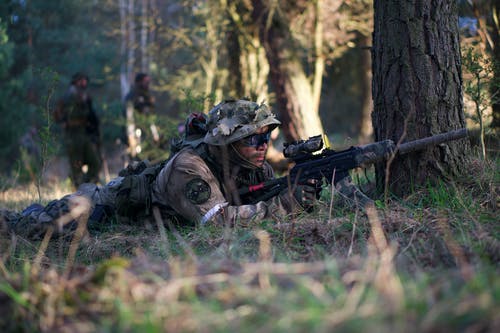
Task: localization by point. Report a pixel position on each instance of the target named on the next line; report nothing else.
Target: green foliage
(229, 286)
(41, 45)
(441, 195)
(6, 49)
(481, 86)
(8, 101)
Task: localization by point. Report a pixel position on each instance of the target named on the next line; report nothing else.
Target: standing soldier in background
(139, 111)
(81, 131)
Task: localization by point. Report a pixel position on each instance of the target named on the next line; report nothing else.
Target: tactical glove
(307, 194)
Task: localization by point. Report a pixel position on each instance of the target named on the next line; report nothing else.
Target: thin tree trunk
(494, 23)
(210, 65)
(365, 125)
(144, 36)
(248, 64)
(124, 78)
(319, 62)
(131, 39)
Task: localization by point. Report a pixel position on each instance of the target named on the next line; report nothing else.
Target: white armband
(212, 212)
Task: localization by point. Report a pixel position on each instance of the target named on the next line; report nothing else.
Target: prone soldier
(198, 184)
(219, 174)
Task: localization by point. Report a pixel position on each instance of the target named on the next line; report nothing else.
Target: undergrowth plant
(481, 86)
(47, 142)
(428, 263)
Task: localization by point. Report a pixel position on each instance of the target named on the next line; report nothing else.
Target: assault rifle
(314, 161)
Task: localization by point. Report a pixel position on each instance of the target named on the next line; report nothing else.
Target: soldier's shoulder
(187, 155)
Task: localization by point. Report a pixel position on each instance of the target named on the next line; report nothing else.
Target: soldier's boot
(34, 221)
(7, 220)
(30, 223)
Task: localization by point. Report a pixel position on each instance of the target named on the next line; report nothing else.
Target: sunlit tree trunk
(131, 38)
(144, 36)
(319, 63)
(295, 97)
(248, 65)
(124, 79)
(495, 91)
(127, 52)
(209, 64)
(365, 124)
(493, 32)
(417, 88)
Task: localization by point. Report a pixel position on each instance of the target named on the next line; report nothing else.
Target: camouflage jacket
(141, 100)
(194, 191)
(74, 109)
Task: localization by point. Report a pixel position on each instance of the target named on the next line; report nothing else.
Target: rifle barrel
(432, 140)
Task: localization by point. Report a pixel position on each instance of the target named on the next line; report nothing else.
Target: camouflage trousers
(89, 204)
(82, 151)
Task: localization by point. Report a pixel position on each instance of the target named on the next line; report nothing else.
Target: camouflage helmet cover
(233, 120)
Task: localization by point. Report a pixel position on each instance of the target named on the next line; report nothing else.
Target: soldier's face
(254, 148)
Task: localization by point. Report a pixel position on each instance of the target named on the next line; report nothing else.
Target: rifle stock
(311, 163)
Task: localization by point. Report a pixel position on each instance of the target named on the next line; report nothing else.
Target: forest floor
(428, 263)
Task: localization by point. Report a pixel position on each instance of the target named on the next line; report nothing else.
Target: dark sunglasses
(256, 140)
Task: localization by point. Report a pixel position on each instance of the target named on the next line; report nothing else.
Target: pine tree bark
(417, 88)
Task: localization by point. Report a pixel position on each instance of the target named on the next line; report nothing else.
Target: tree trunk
(247, 58)
(124, 77)
(131, 40)
(234, 56)
(417, 88)
(209, 64)
(365, 125)
(144, 36)
(294, 93)
(494, 25)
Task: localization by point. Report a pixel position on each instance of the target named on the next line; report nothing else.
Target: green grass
(428, 263)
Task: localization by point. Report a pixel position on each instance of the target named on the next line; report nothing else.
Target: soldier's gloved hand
(307, 194)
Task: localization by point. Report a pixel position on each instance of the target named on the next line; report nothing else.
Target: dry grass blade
(163, 235)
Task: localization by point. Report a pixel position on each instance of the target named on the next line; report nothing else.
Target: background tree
(487, 14)
(248, 66)
(417, 88)
(44, 37)
(346, 99)
(297, 91)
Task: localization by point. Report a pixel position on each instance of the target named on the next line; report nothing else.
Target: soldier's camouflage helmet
(232, 120)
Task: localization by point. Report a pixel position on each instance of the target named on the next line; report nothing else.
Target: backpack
(134, 194)
(133, 197)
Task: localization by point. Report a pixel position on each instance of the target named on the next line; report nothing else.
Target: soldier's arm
(189, 187)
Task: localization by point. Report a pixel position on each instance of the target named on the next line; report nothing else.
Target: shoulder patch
(197, 191)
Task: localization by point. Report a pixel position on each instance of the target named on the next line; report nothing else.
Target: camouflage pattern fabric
(81, 135)
(81, 150)
(188, 186)
(34, 221)
(90, 200)
(232, 120)
(141, 100)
